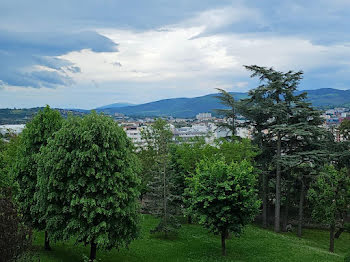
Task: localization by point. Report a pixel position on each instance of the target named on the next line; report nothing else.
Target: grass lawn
(194, 243)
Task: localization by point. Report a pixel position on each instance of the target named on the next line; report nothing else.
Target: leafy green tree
(92, 186)
(224, 196)
(237, 150)
(162, 200)
(25, 170)
(8, 153)
(330, 196)
(230, 113)
(184, 159)
(277, 89)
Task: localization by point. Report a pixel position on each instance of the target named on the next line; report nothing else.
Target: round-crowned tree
(25, 168)
(223, 196)
(330, 198)
(92, 186)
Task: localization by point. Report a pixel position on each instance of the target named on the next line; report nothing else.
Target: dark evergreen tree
(256, 111)
(277, 89)
(306, 149)
(229, 113)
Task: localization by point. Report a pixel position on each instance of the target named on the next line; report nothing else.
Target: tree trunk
(264, 199)
(223, 242)
(301, 208)
(165, 198)
(286, 210)
(338, 233)
(93, 248)
(189, 219)
(331, 238)
(278, 186)
(47, 242)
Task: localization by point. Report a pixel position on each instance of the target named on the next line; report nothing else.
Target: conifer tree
(230, 113)
(255, 109)
(306, 148)
(162, 200)
(277, 89)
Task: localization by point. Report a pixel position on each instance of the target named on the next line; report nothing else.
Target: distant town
(204, 125)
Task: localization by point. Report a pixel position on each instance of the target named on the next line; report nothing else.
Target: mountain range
(190, 107)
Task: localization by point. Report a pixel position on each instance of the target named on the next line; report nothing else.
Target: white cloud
(172, 54)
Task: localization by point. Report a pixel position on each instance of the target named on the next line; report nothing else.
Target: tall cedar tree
(161, 199)
(255, 109)
(330, 196)
(305, 149)
(92, 187)
(25, 171)
(230, 113)
(224, 196)
(278, 90)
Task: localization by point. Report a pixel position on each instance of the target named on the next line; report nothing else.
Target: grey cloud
(20, 52)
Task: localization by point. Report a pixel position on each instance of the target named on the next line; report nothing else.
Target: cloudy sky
(89, 53)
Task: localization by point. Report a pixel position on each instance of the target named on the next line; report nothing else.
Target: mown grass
(194, 243)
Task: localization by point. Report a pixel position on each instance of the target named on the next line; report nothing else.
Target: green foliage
(330, 195)
(7, 160)
(347, 258)
(237, 150)
(161, 198)
(35, 135)
(229, 112)
(15, 238)
(224, 196)
(91, 187)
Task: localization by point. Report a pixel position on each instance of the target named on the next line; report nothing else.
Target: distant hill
(176, 107)
(329, 97)
(115, 105)
(189, 107)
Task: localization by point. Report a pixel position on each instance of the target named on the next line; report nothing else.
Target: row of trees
(82, 178)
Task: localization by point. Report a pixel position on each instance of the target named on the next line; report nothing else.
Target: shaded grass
(194, 243)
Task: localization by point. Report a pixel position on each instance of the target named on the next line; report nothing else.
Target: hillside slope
(189, 107)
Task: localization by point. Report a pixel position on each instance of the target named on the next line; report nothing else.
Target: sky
(90, 53)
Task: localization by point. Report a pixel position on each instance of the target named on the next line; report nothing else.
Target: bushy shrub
(347, 258)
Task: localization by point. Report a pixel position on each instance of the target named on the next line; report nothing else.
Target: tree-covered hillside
(189, 107)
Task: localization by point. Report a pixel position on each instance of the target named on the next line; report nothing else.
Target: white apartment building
(203, 116)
